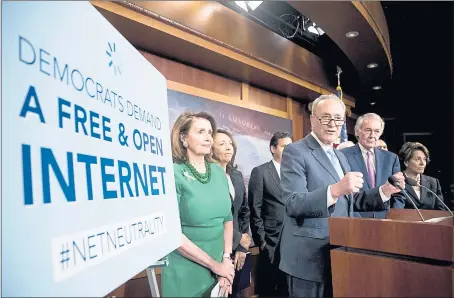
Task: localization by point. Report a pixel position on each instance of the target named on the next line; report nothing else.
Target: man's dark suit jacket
(266, 205)
(306, 173)
(427, 201)
(386, 164)
(240, 208)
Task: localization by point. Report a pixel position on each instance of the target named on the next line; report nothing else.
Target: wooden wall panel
(190, 80)
(267, 99)
(306, 121)
(298, 125)
(181, 73)
(351, 125)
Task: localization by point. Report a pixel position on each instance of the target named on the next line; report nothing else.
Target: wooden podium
(400, 256)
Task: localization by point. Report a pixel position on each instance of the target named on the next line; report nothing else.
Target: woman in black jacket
(224, 151)
(415, 157)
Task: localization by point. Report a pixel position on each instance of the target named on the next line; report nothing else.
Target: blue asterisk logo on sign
(111, 54)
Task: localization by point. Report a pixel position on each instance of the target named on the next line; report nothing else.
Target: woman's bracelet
(227, 256)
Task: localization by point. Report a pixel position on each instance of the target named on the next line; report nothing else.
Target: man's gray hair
(360, 120)
(322, 98)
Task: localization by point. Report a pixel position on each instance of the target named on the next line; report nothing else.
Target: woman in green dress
(204, 258)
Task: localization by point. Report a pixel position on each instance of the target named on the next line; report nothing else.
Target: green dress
(203, 210)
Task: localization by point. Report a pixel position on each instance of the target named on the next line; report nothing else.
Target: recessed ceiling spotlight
(373, 103)
(376, 87)
(251, 4)
(352, 34)
(372, 65)
(242, 4)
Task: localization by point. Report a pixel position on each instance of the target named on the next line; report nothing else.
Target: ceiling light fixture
(320, 31)
(251, 4)
(373, 103)
(372, 65)
(352, 34)
(242, 4)
(376, 87)
(315, 29)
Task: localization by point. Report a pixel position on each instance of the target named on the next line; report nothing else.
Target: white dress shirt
(329, 198)
(278, 167)
(364, 154)
(231, 187)
(417, 189)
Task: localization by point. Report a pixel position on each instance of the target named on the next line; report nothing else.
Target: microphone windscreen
(393, 181)
(411, 181)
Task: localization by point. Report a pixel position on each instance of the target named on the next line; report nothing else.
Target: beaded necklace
(202, 178)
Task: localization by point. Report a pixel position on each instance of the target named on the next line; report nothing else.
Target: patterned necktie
(335, 162)
(370, 169)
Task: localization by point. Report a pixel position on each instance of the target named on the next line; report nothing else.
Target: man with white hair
(317, 182)
(376, 165)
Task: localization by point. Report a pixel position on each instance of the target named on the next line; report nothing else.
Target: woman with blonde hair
(204, 258)
(224, 152)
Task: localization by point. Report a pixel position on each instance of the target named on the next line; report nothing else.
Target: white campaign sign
(88, 187)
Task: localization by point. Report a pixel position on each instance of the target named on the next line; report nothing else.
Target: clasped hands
(226, 279)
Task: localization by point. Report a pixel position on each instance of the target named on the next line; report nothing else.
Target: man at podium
(317, 183)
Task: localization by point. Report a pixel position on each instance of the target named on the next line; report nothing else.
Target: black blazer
(240, 208)
(427, 201)
(266, 204)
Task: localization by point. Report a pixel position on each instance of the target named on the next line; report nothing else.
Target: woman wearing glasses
(414, 157)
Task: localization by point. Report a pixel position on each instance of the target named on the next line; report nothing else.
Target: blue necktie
(335, 162)
(341, 206)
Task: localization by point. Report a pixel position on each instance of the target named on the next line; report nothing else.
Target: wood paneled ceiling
(372, 45)
(210, 36)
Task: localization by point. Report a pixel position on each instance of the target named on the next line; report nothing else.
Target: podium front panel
(367, 275)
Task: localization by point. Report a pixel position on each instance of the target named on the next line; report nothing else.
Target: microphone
(393, 181)
(413, 182)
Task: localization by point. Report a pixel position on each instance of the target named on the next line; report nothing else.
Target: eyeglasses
(326, 120)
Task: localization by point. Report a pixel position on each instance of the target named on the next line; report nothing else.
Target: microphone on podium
(413, 182)
(393, 181)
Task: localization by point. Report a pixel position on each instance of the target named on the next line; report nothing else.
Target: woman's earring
(185, 144)
(406, 164)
